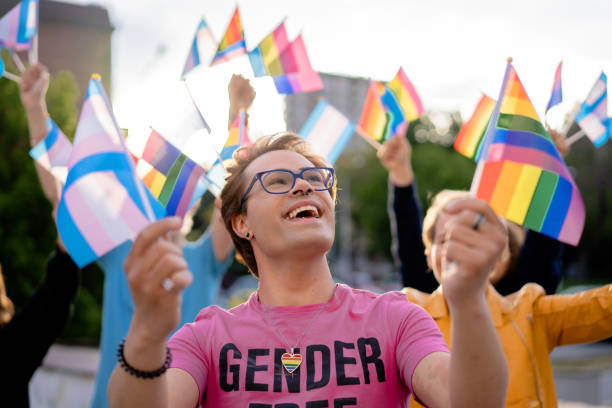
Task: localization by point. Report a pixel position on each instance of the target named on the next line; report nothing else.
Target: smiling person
(301, 340)
(529, 323)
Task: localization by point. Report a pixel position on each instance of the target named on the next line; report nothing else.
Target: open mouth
(305, 211)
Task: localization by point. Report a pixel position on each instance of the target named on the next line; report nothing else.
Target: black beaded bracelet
(138, 373)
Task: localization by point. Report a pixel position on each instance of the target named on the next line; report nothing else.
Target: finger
(470, 259)
(156, 252)
(487, 240)
(475, 205)
(180, 280)
(151, 233)
(166, 267)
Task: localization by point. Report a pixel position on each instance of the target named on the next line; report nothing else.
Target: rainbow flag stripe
(202, 48)
(265, 58)
(375, 121)
(556, 95)
(232, 44)
(173, 177)
(19, 25)
(237, 136)
(469, 139)
(299, 76)
(521, 174)
(406, 95)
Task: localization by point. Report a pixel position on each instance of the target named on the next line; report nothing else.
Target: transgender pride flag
(327, 130)
(103, 202)
(593, 115)
(203, 48)
(53, 151)
(19, 25)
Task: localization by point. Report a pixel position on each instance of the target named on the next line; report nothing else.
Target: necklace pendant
(291, 361)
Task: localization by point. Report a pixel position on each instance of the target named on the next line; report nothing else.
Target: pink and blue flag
(556, 95)
(299, 75)
(593, 116)
(53, 151)
(19, 25)
(202, 50)
(327, 130)
(103, 202)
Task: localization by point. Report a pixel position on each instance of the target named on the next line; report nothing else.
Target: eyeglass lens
(282, 181)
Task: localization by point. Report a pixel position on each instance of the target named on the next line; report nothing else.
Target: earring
(247, 235)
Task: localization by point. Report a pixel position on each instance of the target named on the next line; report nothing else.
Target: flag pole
(17, 61)
(490, 130)
(575, 137)
(11, 76)
(204, 121)
(33, 52)
(570, 120)
(376, 145)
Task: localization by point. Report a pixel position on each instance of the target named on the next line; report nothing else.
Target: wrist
(402, 177)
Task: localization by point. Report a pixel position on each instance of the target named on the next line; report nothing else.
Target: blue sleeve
(539, 261)
(407, 244)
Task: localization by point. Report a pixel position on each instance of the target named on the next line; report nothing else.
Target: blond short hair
(231, 195)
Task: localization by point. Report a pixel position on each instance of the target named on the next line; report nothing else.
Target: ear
(240, 225)
(429, 260)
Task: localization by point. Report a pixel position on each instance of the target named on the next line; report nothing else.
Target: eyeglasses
(281, 181)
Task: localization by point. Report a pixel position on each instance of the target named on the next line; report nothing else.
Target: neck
(294, 282)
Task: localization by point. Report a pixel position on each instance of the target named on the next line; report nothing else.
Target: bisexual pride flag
(53, 152)
(202, 50)
(556, 95)
(232, 44)
(327, 130)
(19, 25)
(521, 174)
(103, 202)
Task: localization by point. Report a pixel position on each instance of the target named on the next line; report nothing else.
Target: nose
(301, 187)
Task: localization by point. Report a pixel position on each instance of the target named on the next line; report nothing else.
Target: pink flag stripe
(96, 143)
(574, 219)
(183, 206)
(526, 155)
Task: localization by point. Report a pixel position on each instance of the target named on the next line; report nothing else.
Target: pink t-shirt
(360, 351)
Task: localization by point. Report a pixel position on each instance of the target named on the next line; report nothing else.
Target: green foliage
(27, 230)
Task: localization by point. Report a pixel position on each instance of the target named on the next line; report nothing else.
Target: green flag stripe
(518, 122)
(173, 175)
(544, 192)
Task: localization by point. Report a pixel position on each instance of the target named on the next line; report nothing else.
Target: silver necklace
(291, 361)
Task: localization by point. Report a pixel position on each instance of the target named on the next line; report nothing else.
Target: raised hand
(474, 241)
(241, 95)
(32, 89)
(395, 155)
(156, 272)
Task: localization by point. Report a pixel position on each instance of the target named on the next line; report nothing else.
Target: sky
(451, 50)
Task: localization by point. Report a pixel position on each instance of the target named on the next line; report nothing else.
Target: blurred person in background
(208, 257)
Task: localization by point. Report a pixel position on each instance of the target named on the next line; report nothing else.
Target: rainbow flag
(237, 136)
(521, 174)
(327, 130)
(406, 95)
(53, 152)
(556, 95)
(265, 58)
(203, 48)
(232, 44)
(171, 177)
(299, 75)
(469, 139)
(593, 115)
(103, 202)
(19, 25)
(375, 121)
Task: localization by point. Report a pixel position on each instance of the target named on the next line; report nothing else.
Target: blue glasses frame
(259, 176)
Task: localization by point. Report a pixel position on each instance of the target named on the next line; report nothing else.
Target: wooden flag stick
(376, 145)
(11, 76)
(17, 61)
(575, 137)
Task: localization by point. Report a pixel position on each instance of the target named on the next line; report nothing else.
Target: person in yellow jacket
(529, 323)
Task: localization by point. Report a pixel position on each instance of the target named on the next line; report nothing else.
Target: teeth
(310, 208)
